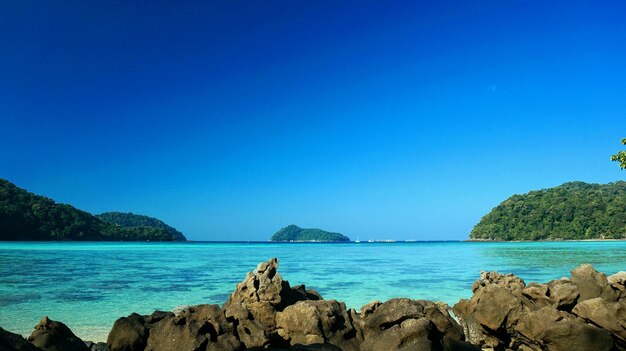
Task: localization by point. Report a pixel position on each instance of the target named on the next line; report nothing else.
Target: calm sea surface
(89, 285)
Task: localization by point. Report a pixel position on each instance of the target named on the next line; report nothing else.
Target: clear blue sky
(377, 119)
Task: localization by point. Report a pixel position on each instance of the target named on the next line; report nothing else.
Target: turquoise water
(89, 285)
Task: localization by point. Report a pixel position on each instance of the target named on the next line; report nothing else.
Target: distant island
(572, 211)
(295, 233)
(25, 216)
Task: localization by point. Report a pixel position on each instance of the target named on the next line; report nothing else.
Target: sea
(88, 286)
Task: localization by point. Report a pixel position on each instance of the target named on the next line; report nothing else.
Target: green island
(295, 233)
(25, 216)
(572, 211)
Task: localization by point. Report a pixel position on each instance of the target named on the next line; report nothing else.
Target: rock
(537, 293)
(592, 283)
(258, 298)
(553, 330)
(493, 307)
(563, 294)
(180, 309)
(131, 333)
(202, 327)
(317, 322)
(369, 308)
(403, 324)
(100, 346)
(14, 342)
(617, 279)
(50, 335)
(608, 315)
(306, 294)
(617, 282)
(509, 281)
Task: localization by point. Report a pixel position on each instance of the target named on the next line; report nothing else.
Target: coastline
(264, 311)
(207, 272)
(540, 241)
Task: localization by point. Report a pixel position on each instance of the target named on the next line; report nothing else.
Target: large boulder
(592, 283)
(608, 315)
(560, 294)
(51, 335)
(253, 306)
(14, 342)
(563, 294)
(553, 330)
(131, 333)
(403, 324)
(317, 322)
(202, 327)
(497, 304)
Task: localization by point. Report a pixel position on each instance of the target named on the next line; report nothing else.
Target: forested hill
(295, 233)
(131, 220)
(25, 216)
(572, 211)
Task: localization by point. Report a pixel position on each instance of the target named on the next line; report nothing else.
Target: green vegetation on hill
(25, 216)
(131, 220)
(572, 211)
(295, 233)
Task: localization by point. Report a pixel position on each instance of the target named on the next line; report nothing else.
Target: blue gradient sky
(377, 119)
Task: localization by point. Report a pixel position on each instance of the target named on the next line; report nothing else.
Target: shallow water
(89, 285)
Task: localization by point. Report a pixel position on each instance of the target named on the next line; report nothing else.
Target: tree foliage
(572, 211)
(131, 220)
(26, 216)
(620, 156)
(295, 233)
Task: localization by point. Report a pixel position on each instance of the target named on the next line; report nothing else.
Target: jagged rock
(503, 314)
(592, 283)
(618, 278)
(256, 300)
(491, 309)
(369, 308)
(14, 342)
(553, 330)
(608, 315)
(403, 324)
(509, 281)
(51, 335)
(202, 327)
(131, 333)
(496, 305)
(317, 322)
(617, 282)
(563, 294)
(537, 293)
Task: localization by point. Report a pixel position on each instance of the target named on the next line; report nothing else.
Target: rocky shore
(584, 312)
